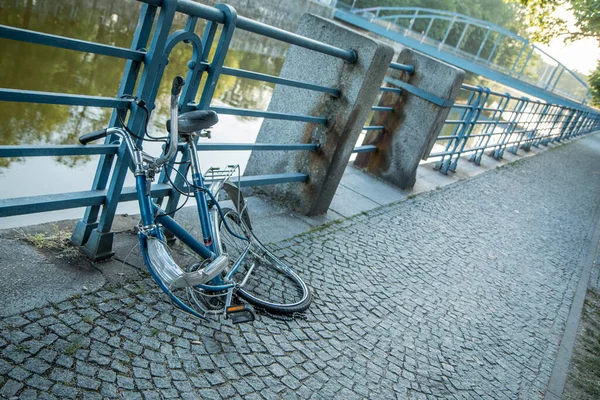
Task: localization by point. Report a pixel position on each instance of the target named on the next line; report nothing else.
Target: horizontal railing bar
(481, 89)
(390, 89)
(30, 96)
(64, 201)
(268, 114)
(212, 14)
(240, 73)
(458, 121)
(380, 108)
(57, 150)
(262, 180)
(409, 69)
(447, 153)
(46, 39)
(253, 146)
(372, 127)
(365, 149)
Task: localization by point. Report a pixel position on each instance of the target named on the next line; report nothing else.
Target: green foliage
(594, 81)
(510, 16)
(546, 26)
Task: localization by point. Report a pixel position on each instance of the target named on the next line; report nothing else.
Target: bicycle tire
(273, 285)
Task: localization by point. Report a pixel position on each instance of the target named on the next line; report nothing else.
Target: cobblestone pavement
(458, 293)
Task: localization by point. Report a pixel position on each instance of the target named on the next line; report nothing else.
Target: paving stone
(15, 354)
(19, 374)
(64, 392)
(65, 361)
(456, 286)
(125, 382)
(158, 369)
(87, 383)
(29, 394)
(39, 382)
(10, 388)
(61, 375)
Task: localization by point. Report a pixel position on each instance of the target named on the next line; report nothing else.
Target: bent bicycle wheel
(268, 283)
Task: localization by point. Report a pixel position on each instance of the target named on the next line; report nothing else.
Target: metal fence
(146, 60)
(481, 42)
(483, 121)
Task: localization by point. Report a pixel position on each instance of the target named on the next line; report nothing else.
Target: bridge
(474, 45)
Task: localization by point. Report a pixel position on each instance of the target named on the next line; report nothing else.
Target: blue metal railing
(485, 120)
(143, 72)
(499, 52)
(494, 122)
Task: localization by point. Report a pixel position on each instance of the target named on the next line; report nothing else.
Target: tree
(594, 80)
(546, 26)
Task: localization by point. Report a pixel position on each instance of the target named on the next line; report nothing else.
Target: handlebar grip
(178, 83)
(88, 137)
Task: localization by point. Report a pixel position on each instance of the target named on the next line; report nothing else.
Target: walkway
(461, 292)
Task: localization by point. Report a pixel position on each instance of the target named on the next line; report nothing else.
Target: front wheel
(272, 285)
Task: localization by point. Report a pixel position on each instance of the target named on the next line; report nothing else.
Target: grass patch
(583, 381)
(73, 347)
(57, 241)
(324, 226)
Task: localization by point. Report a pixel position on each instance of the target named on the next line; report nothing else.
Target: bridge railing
(480, 42)
(483, 121)
(146, 60)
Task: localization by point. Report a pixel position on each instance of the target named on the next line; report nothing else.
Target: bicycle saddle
(194, 121)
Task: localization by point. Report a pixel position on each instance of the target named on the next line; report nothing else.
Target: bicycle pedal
(240, 313)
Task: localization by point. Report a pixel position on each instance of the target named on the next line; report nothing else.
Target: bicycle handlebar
(178, 83)
(171, 149)
(90, 137)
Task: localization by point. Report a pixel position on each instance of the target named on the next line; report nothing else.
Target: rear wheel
(272, 285)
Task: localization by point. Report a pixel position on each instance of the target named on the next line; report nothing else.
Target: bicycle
(229, 248)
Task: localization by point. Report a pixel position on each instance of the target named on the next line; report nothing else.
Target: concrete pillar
(358, 84)
(417, 118)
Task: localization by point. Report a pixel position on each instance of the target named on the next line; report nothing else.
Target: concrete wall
(359, 85)
(411, 128)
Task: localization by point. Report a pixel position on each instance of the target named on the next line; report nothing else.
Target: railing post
(557, 111)
(465, 132)
(557, 79)
(566, 126)
(526, 62)
(489, 59)
(447, 33)
(542, 119)
(483, 43)
(209, 86)
(519, 56)
(410, 130)
(412, 21)
(498, 151)
(99, 244)
(462, 36)
(84, 227)
(427, 30)
(359, 86)
(522, 123)
(489, 130)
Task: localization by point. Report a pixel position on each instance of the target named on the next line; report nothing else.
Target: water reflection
(34, 67)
